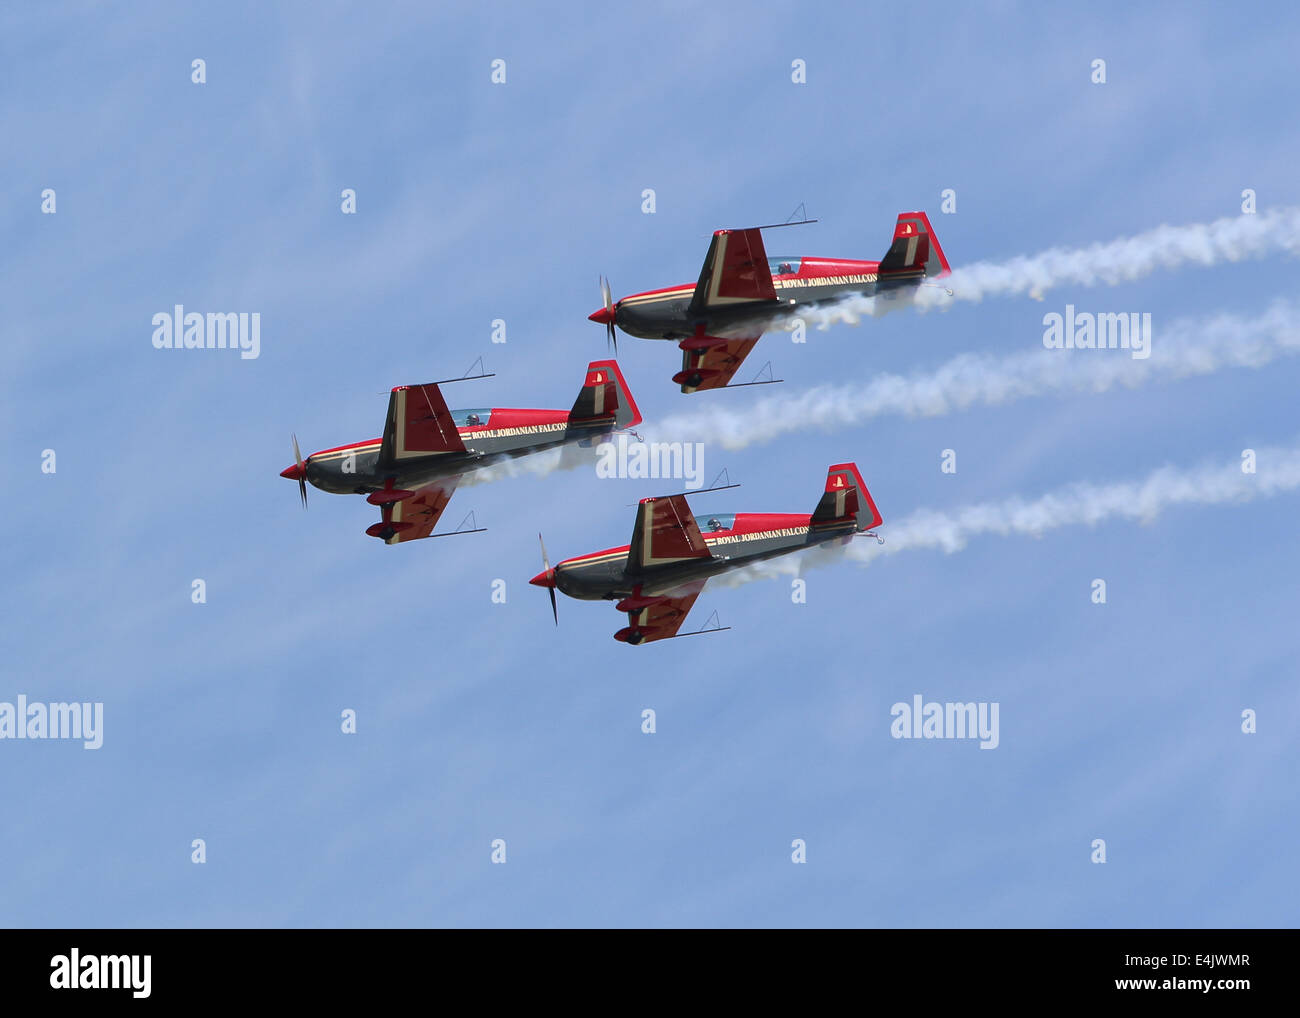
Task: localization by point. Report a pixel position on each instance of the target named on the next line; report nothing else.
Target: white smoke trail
(1186, 348)
(1231, 239)
(1277, 471)
(538, 464)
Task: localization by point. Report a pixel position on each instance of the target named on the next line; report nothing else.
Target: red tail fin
(605, 396)
(846, 498)
(915, 250)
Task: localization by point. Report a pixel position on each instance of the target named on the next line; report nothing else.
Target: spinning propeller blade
(302, 472)
(607, 295)
(546, 569)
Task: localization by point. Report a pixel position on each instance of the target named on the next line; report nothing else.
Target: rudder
(914, 254)
(605, 398)
(846, 498)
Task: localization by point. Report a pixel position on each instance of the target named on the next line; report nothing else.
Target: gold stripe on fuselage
(491, 433)
(791, 283)
(335, 454)
(655, 298)
(710, 540)
(588, 560)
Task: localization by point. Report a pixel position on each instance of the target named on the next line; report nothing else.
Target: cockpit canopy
(784, 266)
(471, 418)
(714, 522)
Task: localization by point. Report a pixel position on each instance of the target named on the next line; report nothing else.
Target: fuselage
(734, 539)
(798, 282)
(489, 435)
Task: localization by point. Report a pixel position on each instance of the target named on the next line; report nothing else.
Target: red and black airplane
(742, 293)
(657, 577)
(411, 472)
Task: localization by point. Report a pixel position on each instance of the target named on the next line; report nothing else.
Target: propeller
(611, 337)
(546, 568)
(302, 472)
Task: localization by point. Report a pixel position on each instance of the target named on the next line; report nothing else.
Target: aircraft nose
(294, 472)
(601, 316)
(546, 578)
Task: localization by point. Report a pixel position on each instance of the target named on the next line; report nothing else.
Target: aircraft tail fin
(914, 254)
(605, 398)
(846, 499)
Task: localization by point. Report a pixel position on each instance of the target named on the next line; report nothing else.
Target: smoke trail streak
(538, 464)
(1193, 349)
(1187, 347)
(1231, 239)
(1278, 470)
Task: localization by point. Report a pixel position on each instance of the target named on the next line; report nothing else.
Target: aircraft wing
(418, 424)
(709, 362)
(413, 519)
(665, 533)
(735, 271)
(662, 617)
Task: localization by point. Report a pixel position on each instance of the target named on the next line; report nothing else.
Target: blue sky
(479, 721)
